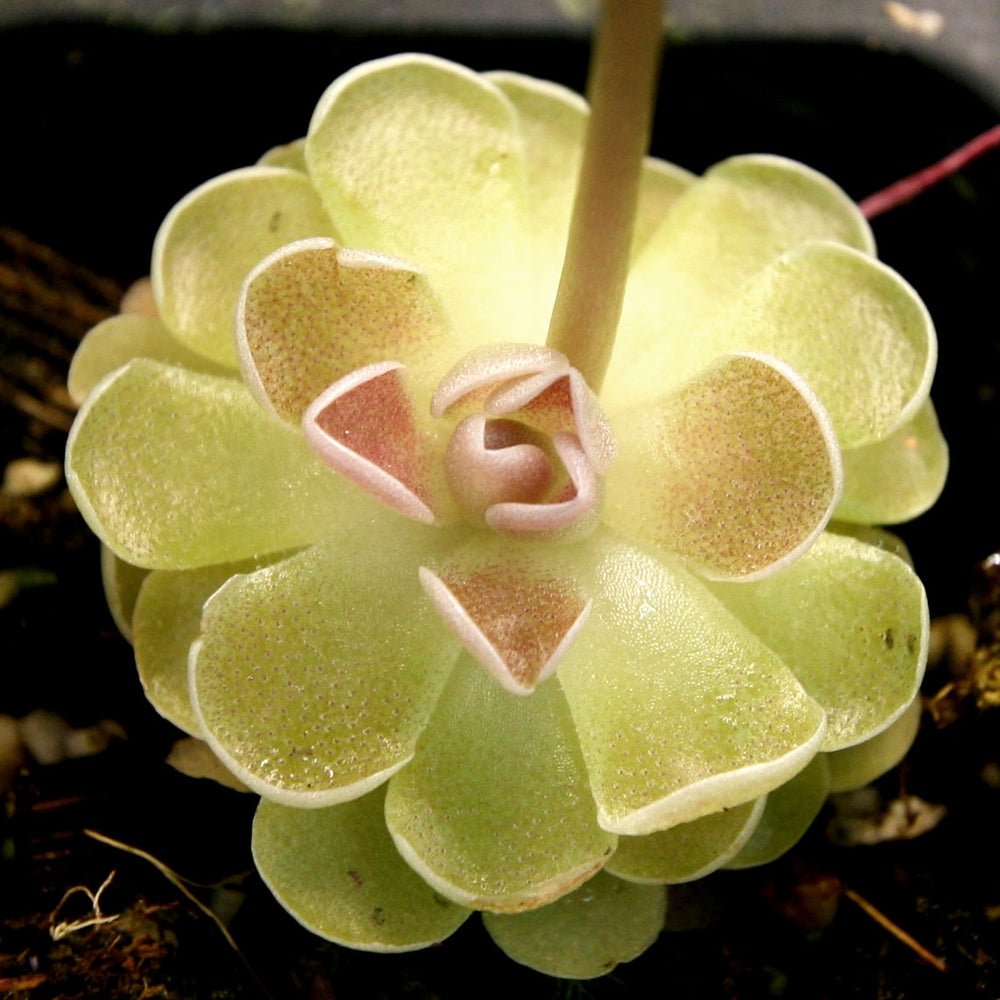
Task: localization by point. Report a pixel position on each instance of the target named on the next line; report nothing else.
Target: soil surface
(107, 129)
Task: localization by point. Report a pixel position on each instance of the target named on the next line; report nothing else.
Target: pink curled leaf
(489, 366)
(555, 401)
(518, 623)
(571, 509)
(364, 427)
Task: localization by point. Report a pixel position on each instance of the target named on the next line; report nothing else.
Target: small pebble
(928, 23)
(861, 818)
(28, 477)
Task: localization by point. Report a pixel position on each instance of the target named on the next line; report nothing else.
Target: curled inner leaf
(569, 509)
(495, 461)
(364, 427)
(515, 620)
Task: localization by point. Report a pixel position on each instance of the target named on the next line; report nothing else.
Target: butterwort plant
(502, 500)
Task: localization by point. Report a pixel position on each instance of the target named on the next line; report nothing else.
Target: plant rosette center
(525, 462)
(481, 639)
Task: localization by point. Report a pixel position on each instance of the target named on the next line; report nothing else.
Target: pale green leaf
(423, 159)
(291, 155)
(167, 620)
(856, 766)
(587, 933)
(660, 186)
(495, 811)
(211, 239)
(552, 122)
(898, 478)
(737, 470)
(313, 677)
(873, 535)
(725, 228)
(779, 203)
(851, 621)
(337, 871)
(680, 710)
(687, 851)
(173, 469)
(850, 326)
(789, 811)
(117, 340)
(194, 758)
(121, 581)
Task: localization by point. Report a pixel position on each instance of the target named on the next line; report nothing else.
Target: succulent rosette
(481, 637)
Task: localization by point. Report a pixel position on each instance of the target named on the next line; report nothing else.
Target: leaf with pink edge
(853, 628)
(687, 851)
(491, 370)
(337, 871)
(497, 815)
(329, 707)
(897, 478)
(312, 312)
(586, 933)
(680, 710)
(211, 239)
(737, 471)
(117, 340)
(157, 463)
(788, 813)
(423, 159)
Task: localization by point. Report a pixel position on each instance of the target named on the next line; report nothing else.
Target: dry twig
(895, 930)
